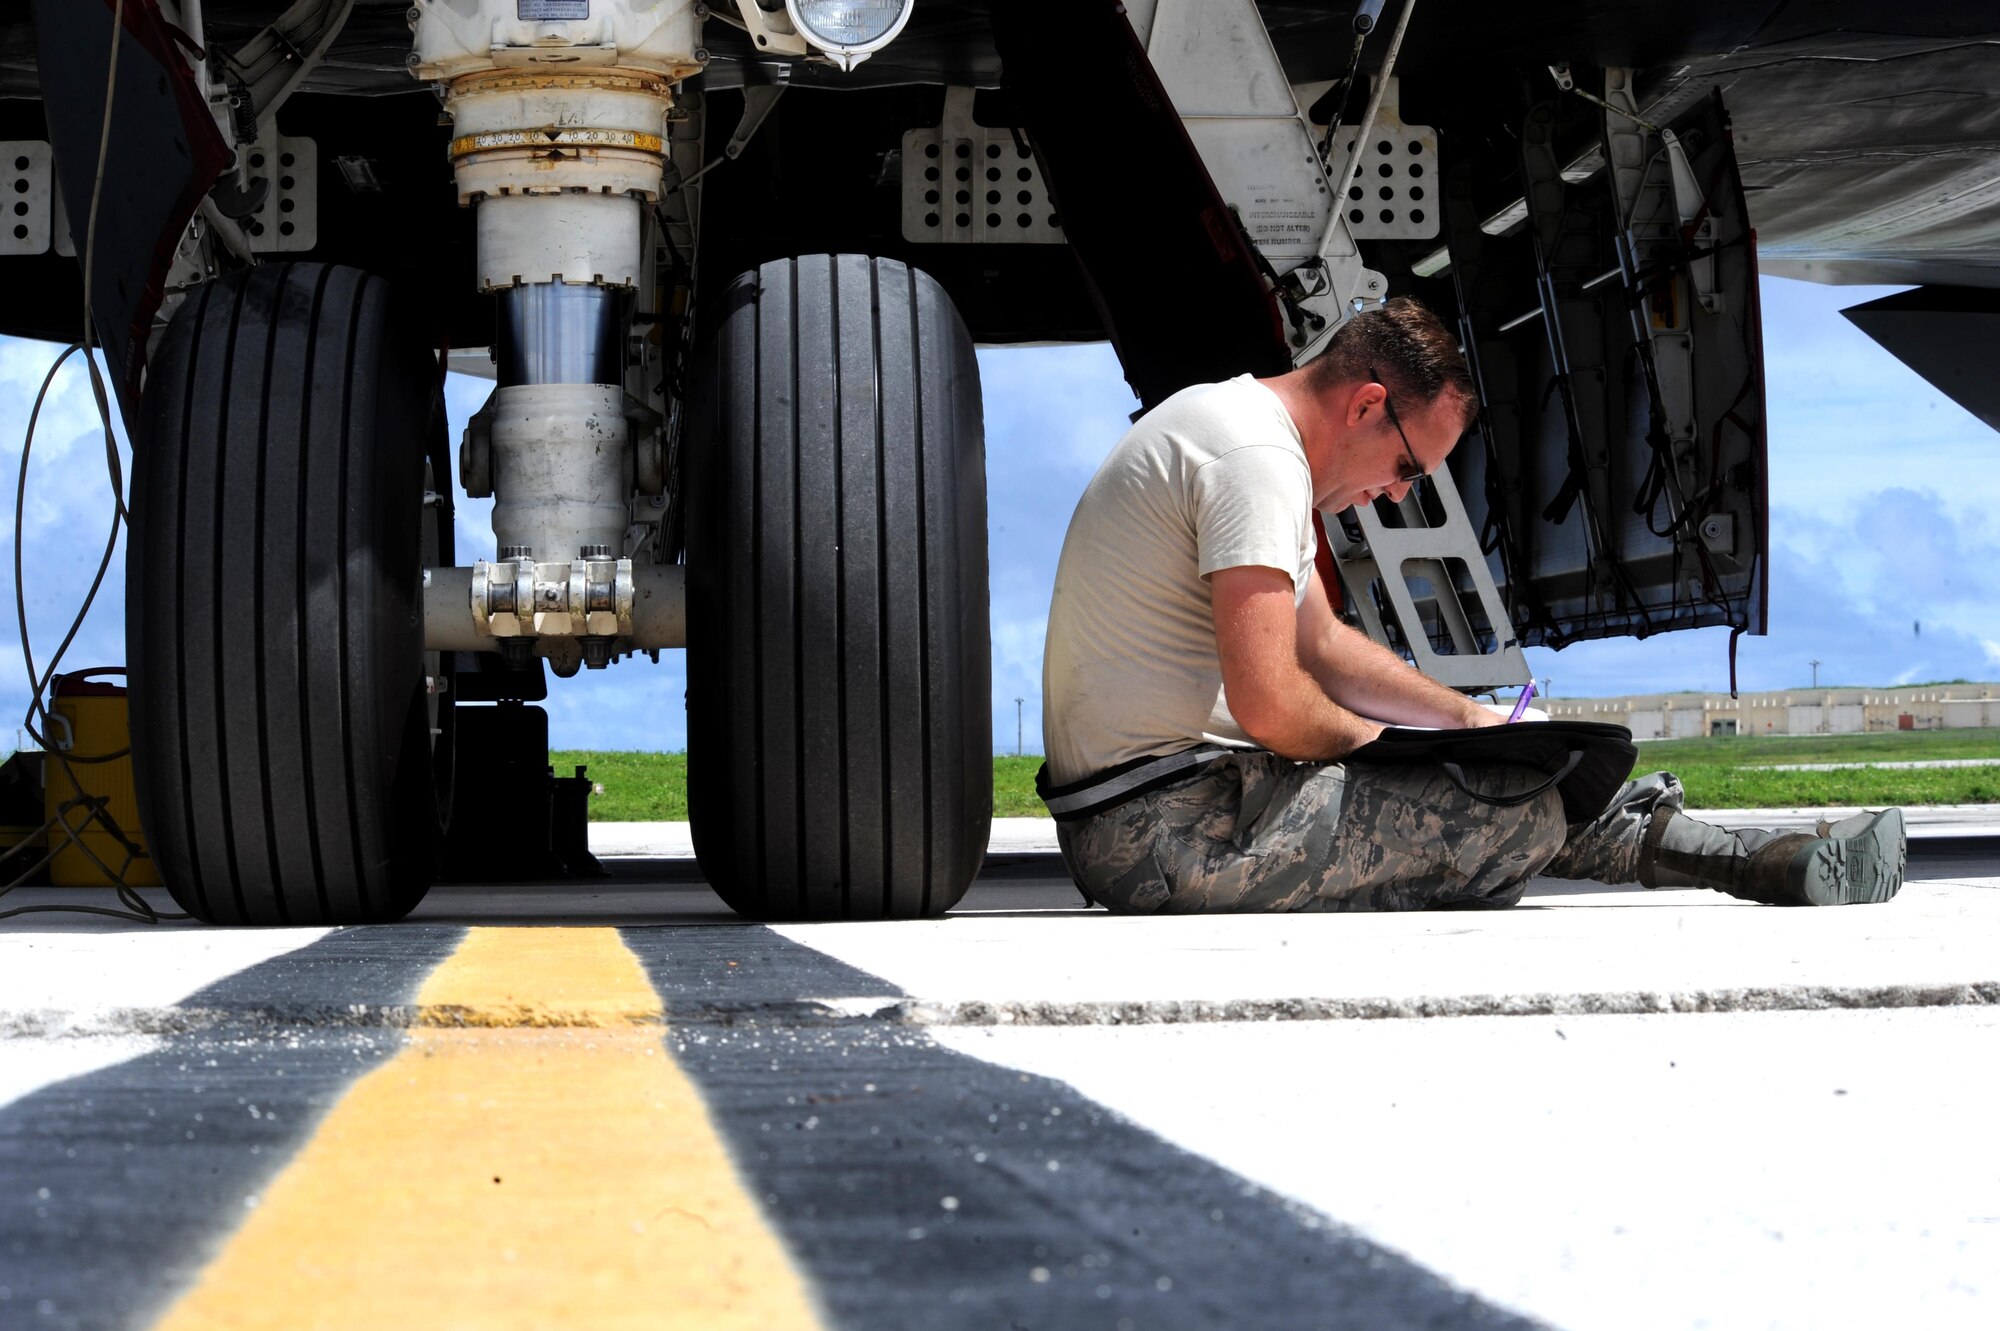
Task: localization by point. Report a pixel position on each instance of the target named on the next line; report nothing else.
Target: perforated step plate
(966, 183)
(288, 219)
(983, 189)
(1395, 193)
(27, 180)
(32, 216)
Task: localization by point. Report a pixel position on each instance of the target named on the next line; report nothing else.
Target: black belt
(1094, 794)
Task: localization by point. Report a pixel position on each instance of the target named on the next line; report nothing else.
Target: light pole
(1815, 668)
(1017, 726)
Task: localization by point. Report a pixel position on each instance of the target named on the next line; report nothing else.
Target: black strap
(1587, 784)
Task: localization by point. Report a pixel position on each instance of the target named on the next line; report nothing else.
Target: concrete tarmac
(1604, 1108)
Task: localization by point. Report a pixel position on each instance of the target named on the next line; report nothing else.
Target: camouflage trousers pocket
(1412, 836)
(1203, 816)
(1424, 838)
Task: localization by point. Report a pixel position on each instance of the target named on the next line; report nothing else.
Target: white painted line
(1880, 767)
(26, 1066)
(1796, 1169)
(142, 967)
(1565, 939)
(63, 973)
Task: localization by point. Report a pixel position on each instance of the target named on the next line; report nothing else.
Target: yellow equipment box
(89, 718)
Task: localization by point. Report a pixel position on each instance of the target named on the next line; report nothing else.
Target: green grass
(631, 787)
(1014, 788)
(1716, 787)
(652, 787)
(1727, 773)
(1732, 772)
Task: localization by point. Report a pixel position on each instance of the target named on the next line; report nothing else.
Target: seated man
(1199, 693)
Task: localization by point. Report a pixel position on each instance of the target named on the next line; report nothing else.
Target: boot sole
(1854, 870)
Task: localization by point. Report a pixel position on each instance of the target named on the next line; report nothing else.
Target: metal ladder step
(1423, 588)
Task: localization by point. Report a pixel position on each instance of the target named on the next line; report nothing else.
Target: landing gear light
(849, 31)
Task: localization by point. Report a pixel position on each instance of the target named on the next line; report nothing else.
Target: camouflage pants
(1256, 832)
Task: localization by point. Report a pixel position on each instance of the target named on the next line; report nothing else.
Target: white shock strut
(559, 111)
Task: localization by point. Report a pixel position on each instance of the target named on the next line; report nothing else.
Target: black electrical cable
(39, 681)
(1576, 488)
(140, 910)
(90, 259)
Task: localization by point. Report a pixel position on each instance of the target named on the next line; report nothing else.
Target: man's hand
(1271, 695)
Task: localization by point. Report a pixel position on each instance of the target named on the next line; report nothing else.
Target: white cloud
(1017, 673)
(473, 518)
(66, 517)
(1842, 410)
(1867, 544)
(1052, 413)
(1887, 586)
(1060, 407)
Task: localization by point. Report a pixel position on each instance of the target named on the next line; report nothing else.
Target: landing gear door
(1617, 476)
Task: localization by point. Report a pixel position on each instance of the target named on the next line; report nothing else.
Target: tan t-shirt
(1212, 478)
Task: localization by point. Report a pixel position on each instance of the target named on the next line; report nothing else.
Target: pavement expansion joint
(1780, 998)
(536, 1016)
(867, 1011)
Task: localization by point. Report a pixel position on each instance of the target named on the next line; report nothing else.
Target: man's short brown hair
(1408, 346)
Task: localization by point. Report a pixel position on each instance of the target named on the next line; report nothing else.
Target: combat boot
(1860, 859)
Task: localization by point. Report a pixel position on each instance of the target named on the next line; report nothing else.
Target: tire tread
(838, 667)
(280, 464)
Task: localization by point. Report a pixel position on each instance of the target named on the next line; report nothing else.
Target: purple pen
(1521, 703)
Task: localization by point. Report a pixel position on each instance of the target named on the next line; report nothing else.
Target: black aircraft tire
(280, 722)
(839, 700)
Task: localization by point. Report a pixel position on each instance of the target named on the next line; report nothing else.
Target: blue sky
(1884, 496)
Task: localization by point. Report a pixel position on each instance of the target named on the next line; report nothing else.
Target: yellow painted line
(511, 978)
(495, 1178)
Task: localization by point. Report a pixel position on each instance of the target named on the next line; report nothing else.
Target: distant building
(1793, 712)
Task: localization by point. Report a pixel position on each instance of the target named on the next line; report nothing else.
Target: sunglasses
(1413, 470)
